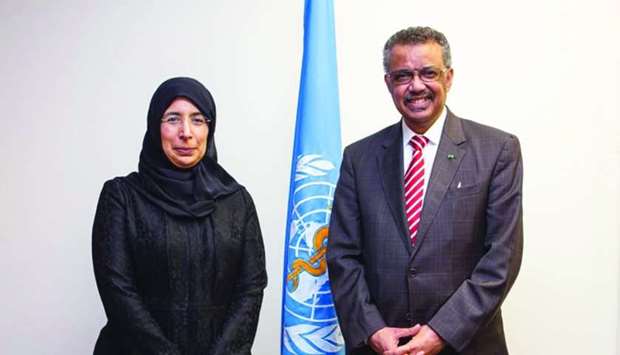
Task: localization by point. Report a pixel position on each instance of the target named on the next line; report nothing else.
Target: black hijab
(181, 192)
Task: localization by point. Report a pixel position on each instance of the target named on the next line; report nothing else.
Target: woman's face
(184, 131)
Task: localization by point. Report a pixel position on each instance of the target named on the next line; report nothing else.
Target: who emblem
(311, 325)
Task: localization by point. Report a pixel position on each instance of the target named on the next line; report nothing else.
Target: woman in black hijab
(177, 248)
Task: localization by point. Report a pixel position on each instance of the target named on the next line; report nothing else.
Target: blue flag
(309, 322)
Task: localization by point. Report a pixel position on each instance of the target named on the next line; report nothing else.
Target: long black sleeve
(242, 319)
(114, 273)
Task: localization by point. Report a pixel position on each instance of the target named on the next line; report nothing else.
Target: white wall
(76, 77)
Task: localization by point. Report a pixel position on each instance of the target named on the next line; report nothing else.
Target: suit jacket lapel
(391, 170)
(449, 156)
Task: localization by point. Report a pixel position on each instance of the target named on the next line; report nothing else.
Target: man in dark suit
(426, 228)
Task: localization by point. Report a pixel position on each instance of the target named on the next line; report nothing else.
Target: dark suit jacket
(469, 242)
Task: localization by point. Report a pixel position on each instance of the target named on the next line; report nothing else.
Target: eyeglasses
(175, 120)
(405, 76)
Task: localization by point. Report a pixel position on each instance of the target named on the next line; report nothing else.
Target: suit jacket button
(412, 271)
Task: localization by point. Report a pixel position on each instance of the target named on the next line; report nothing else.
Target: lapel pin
(451, 157)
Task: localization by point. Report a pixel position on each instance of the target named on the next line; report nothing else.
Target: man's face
(420, 100)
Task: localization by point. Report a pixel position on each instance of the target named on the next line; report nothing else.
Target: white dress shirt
(430, 150)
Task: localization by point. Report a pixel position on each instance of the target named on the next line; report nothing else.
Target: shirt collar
(433, 133)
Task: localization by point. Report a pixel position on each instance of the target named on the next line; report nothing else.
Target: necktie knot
(418, 142)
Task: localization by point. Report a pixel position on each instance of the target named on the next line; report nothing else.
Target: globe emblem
(308, 283)
(310, 324)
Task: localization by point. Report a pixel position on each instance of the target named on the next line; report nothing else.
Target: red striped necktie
(414, 186)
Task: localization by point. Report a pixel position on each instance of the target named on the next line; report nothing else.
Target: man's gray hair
(417, 35)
